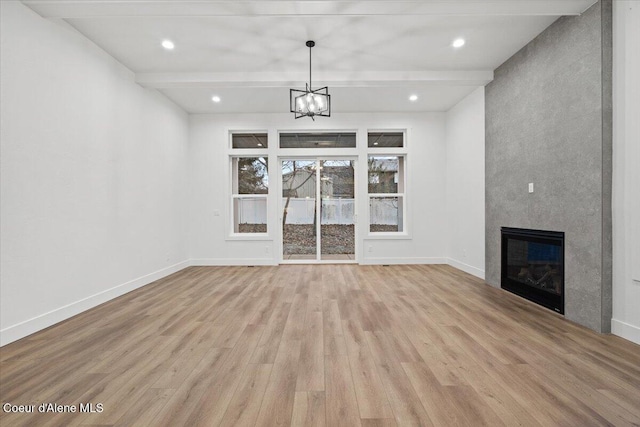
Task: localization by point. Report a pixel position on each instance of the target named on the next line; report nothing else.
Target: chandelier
(309, 102)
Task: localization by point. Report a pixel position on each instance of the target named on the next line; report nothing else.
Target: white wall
(465, 184)
(93, 176)
(209, 182)
(626, 170)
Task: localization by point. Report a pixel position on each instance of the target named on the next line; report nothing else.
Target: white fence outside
(251, 210)
(300, 211)
(383, 211)
(338, 211)
(334, 211)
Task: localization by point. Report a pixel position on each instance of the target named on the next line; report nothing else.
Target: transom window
(385, 139)
(249, 140)
(318, 140)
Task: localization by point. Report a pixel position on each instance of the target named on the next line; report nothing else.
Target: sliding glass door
(318, 210)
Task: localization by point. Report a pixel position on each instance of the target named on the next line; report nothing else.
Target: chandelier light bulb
(458, 42)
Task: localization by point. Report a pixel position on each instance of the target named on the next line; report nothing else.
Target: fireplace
(533, 266)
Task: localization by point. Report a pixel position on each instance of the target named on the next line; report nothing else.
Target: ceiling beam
(333, 79)
(70, 9)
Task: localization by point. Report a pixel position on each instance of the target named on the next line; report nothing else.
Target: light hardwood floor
(335, 345)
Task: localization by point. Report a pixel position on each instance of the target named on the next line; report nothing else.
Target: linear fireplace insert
(533, 266)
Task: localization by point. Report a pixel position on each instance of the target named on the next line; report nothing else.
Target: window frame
(232, 196)
(400, 152)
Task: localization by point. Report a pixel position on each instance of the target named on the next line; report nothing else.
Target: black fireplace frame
(539, 296)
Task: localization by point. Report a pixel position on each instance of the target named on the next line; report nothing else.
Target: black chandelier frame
(295, 94)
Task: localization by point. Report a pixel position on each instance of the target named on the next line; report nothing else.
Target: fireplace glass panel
(535, 264)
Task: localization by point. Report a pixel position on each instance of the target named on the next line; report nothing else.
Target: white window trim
(236, 153)
(389, 235)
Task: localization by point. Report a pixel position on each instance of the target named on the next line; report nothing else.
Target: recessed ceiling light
(458, 43)
(413, 98)
(215, 98)
(259, 144)
(375, 143)
(168, 44)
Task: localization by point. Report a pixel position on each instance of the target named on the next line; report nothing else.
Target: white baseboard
(466, 268)
(625, 330)
(15, 332)
(402, 260)
(206, 262)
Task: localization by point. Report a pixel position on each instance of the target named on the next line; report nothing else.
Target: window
(249, 140)
(386, 188)
(385, 139)
(250, 186)
(318, 140)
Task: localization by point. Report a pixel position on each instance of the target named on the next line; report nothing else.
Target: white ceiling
(372, 54)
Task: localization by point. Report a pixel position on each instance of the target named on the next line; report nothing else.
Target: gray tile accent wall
(548, 121)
